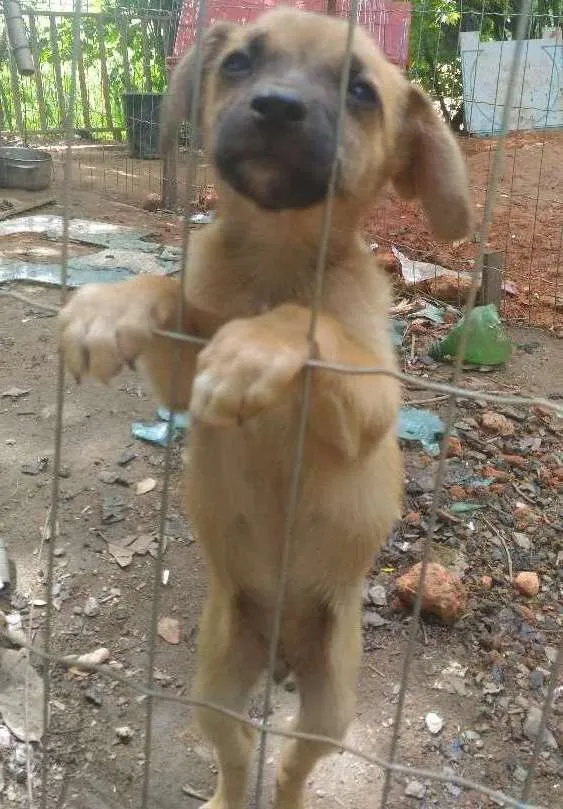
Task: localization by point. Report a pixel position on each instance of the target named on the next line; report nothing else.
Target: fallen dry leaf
(142, 544)
(123, 556)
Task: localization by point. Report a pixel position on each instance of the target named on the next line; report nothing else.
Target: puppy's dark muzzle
(277, 109)
(276, 146)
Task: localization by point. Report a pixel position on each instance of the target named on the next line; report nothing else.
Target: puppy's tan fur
(250, 279)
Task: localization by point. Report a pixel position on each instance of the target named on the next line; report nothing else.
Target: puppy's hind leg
(231, 658)
(327, 689)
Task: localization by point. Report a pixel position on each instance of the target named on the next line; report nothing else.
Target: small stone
(531, 728)
(126, 457)
(537, 679)
(413, 518)
(124, 734)
(377, 595)
(471, 737)
(444, 595)
(373, 620)
(5, 738)
(414, 789)
(433, 722)
(18, 601)
(497, 423)
(95, 694)
(16, 762)
(551, 654)
(169, 630)
(520, 774)
(455, 449)
(494, 473)
(522, 540)
(527, 583)
(486, 582)
(515, 460)
(91, 607)
(145, 486)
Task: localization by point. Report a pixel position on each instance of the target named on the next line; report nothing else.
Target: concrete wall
(538, 97)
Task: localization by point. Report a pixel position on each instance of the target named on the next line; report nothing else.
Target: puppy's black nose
(278, 107)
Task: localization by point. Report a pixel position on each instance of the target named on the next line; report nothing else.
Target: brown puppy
(268, 110)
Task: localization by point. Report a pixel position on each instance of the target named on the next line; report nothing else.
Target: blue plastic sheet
(157, 432)
(122, 253)
(421, 426)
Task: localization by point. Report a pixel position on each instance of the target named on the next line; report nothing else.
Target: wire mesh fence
(519, 24)
(459, 52)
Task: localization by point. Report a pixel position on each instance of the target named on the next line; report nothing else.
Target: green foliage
(134, 37)
(133, 43)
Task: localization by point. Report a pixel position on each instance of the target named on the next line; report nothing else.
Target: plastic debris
(465, 507)
(487, 342)
(398, 330)
(430, 312)
(417, 272)
(433, 722)
(123, 252)
(157, 432)
(423, 426)
(202, 218)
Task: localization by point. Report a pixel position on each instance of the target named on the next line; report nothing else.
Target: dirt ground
(527, 226)
(93, 767)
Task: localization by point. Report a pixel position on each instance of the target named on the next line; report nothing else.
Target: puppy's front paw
(245, 369)
(102, 327)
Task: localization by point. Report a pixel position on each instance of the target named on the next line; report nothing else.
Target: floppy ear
(177, 103)
(431, 167)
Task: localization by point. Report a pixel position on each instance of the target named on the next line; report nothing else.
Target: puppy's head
(268, 112)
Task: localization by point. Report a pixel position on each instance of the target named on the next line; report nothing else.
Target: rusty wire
(175, 368)
(494, 179)
(443, 777)
(454, 392)
(69, 127)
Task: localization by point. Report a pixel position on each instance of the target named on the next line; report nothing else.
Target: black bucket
(142, 123)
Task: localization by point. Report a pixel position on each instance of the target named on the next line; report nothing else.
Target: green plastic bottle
(487, 342)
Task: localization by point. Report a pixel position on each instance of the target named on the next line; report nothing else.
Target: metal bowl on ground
(28, 169)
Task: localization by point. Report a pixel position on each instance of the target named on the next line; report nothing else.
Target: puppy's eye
(362, 93)
(237, 63)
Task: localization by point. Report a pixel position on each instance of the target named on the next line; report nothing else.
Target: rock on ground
(444, 595)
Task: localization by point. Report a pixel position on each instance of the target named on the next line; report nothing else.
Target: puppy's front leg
(250, 363)
(105, 326)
